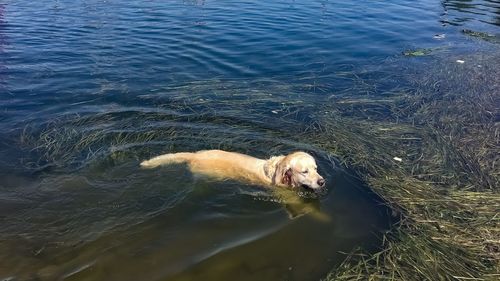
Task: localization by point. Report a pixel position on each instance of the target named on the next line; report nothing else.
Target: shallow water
(91, 88)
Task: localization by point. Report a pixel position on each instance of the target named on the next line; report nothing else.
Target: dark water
(90, 88)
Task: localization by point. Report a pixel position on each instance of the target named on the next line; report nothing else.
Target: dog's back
(215, 163)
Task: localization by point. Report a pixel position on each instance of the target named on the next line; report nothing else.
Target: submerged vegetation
(429, 148)
(417, 52)
(434, 158)
(492, 38)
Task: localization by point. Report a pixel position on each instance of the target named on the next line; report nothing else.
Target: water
(91, 88)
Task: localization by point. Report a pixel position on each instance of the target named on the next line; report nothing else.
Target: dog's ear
(287, 177)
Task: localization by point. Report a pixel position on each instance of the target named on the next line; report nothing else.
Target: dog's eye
(305, 172)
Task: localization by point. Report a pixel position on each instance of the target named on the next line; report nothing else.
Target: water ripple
(91, 88)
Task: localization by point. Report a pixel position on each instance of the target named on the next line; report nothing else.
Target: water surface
(91, 88)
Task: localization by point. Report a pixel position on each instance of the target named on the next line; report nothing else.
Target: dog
(294, 170)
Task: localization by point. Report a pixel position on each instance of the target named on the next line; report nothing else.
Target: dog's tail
(166, 159)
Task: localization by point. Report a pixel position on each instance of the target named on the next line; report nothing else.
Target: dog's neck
(270, 167)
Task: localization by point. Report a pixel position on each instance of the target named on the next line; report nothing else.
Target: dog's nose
(321, 182)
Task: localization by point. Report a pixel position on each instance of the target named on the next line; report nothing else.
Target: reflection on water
(460, 12)
(3, 43)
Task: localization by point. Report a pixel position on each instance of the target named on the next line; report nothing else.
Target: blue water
(56, 53)
(90, 88)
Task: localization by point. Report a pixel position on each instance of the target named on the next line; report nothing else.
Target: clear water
(90, 88)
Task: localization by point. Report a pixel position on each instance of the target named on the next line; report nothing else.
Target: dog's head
(298, 169)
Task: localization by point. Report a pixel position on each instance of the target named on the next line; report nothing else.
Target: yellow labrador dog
(293, 170)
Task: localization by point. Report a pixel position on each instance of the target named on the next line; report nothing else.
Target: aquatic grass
(426, 140)
(176, 116)
(492, 38)
(434, 159)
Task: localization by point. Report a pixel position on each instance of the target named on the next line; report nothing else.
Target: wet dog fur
(297, 169)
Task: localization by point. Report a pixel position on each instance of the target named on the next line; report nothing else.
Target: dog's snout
(321, 182)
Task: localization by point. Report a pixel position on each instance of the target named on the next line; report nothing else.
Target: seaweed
(444, 182)
(492, 38)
